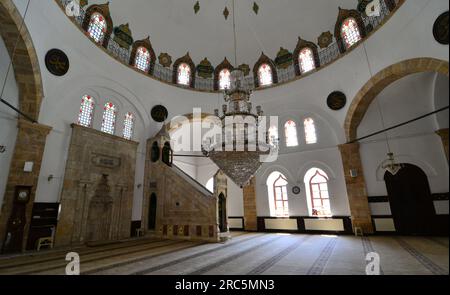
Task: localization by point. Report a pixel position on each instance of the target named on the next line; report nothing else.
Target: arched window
(265, 75)
(306, 60)
(142, 60)
(278, 194)
(290, 132)
(350, 32)
(128, 125)
(97, 27)
(86, 111)
(310, 131)
(273, 135)
(224, 79)
(316, 180)
(184, 74)
(210, 184)
(109, 118)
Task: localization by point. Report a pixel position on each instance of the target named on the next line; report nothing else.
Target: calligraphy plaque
(336, 100)
(106, 161)
(57, 62)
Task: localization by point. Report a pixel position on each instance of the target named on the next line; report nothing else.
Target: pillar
(250, 216)
(29, 147)
(356, 187)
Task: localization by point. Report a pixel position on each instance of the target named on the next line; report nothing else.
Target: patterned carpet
(246, 254)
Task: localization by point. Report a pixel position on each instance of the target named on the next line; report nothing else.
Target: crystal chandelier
(240, 149)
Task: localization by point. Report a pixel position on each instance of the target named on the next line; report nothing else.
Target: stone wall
(97, 196)
(250, 218)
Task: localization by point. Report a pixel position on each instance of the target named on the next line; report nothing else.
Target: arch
(186, 60)
(277, 194)
(315, 164)
(102, 9)
(380, 81)
(152, 209)
(147, 45)
(302, 44)
(167, 154)
(25, 61)
(276, 168)
(426, 167)
(343, 15)
(264, 59)
(317, 191)
(291, 134)
(224, 65)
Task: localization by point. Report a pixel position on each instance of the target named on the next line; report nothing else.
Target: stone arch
(380, 81)
(25, 61)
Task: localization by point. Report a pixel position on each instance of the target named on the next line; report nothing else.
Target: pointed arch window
(143, 59)
(273, 135)
(306, 60)
(290, 132)
(350, 32)
(109, 118)
(278, 194)
(86, 111)
(97, 27)
(310, 131)
(224, 79)
(319, 197)
(128, 126)
(265, 75)
(184, 74)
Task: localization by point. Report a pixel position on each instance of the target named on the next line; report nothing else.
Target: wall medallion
(123, 36)
(165, 60)
(57, 62)
(296, 190)
(336, 100)
(245, 69)
(440, 29)
(205, 69)
(284, 59)
(159, 113)
(325, 39)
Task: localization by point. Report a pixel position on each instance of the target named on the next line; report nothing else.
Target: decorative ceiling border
(328, 51)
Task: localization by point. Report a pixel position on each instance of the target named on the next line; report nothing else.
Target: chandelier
(239, 152)
(390, 165)
(242, 144)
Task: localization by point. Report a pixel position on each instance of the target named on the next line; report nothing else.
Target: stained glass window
(350, 32)
(86, 111)
(224, 79)
(320, 198)
(281, 196)
(128, 125)
(265, 75)
(97, 27)
(142, 60)
(290, 132)
(109, 118)
(306, 60)
(310, 131)
(184, 74)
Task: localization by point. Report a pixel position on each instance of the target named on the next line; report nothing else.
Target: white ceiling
(174, 28)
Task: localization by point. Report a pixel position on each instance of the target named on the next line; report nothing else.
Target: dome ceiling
(174, 27)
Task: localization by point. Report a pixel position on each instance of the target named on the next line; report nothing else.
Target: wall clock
(296, 190)
(336, 100)
(57, 62)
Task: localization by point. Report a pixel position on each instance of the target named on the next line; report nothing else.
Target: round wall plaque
(440, 29)
(296, 190)
(57, 62)
(159, 113)
(336, 100)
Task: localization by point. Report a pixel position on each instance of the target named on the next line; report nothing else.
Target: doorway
(152, 212)
(223, 226)
(411, 201)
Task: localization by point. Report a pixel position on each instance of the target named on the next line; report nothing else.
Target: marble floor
(246, 254)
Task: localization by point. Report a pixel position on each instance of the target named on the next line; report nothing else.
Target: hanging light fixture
(239, 152)
(389, 165)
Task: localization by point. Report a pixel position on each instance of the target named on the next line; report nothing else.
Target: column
(356, 187)
(29, 147)
(250, 217)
